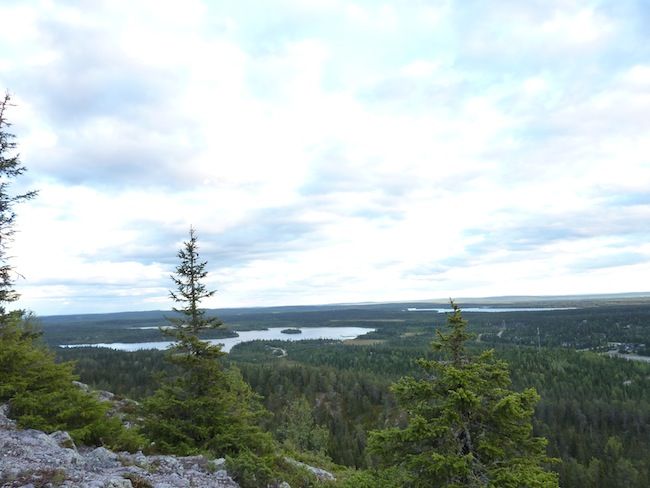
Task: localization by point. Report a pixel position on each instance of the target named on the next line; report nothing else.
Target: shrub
(41, 394)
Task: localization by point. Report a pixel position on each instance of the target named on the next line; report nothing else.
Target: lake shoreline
(270, 334)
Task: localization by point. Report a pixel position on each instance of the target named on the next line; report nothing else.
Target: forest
(594, 410)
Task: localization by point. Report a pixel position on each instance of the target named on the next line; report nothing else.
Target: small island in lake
(291, 331)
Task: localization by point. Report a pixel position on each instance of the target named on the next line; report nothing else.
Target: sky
(328, 151)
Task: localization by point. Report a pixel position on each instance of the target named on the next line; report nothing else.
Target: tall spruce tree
(203, 407)
(39, 391)
(190, 290)
(10, 168)
(466, 427)
(192, 319)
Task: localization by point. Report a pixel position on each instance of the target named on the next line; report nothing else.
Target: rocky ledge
(31, 458)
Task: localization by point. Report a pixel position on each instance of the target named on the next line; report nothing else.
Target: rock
(101, 458)
(219, 463)
(31, 455)
(63, 439)
(105, 396)
(140, 459)
(81, 386)
(6, 422)
(118, 483)
(33, 458)
(121, 408)
(320, 474)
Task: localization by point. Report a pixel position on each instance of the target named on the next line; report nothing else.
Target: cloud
(612, 260)
(329, 151)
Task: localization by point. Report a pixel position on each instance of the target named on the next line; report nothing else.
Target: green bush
(250, 470)
(41, 394)
(384, 478)
(253, 471)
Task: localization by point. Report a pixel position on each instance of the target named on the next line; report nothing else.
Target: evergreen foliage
(587, 398)
(190, 290)
(10, 168)
(202, 406)
(269, 470)
(298, 429)
(41, 393)
(465, 428)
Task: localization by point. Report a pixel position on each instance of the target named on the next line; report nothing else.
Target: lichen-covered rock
(102, 458)
(320, 474)
(105, 396)
(118, 483)
(33, 458)
(120, 407)
(63, 439)
(6, 422)
(81, 386)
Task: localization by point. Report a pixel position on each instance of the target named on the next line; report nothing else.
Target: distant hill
(523, 300)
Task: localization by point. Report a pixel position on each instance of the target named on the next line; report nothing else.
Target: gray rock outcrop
(5, 422)
(33, 458)
(320, 474)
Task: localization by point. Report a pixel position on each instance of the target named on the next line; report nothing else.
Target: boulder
(6, 422)
(63, 439)
(101, 459)
(118, 483)
(105, 396)
(320, 474)
(81, 386)
(33, 458)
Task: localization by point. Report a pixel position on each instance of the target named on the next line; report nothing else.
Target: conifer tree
(204, 407)
(10, 168)
(40, 392)
(190, 290)
(298, 430)
(466, 428)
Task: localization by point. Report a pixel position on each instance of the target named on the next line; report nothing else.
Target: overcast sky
(329, 151)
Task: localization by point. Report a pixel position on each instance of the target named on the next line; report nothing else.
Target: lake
(271, 334)
(490, 309)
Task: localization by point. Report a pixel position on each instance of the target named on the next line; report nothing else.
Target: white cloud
(327, 152)
(580, 27)
(381, 17)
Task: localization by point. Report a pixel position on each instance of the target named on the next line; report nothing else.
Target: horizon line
(601, 296)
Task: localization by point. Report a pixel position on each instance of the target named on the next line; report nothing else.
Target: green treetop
(190, 290)
(465, 427)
